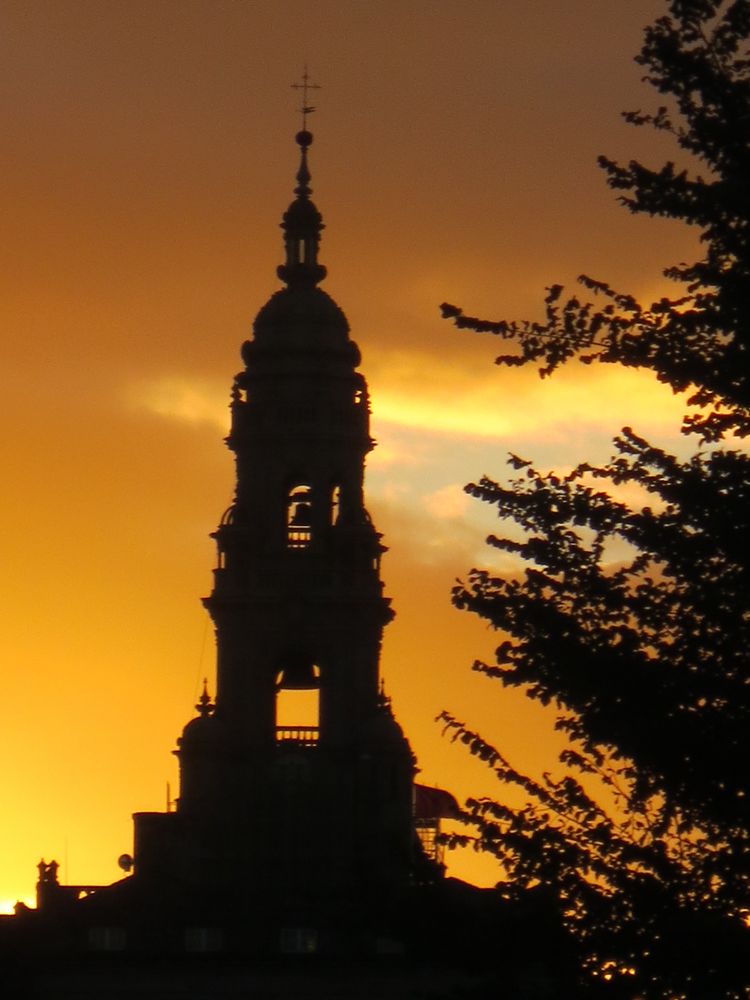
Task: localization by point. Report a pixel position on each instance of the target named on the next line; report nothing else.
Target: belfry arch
(297, 712)
(299, 515)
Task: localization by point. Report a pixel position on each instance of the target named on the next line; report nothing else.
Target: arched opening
(298, 702)
(335, 503)
(299, 517)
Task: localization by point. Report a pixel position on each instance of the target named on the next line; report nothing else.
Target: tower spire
(304, 141)
(204, 706)
(302, 222)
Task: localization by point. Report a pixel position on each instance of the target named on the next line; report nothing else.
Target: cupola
(302, 225)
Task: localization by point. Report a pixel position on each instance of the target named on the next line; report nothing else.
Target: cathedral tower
(320, 807)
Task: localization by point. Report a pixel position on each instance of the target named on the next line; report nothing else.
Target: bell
(299, 674)
(301, 516)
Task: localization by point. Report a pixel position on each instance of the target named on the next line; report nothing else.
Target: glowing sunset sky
(147, 158)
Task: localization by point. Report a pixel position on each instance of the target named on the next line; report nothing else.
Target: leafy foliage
(635, 620)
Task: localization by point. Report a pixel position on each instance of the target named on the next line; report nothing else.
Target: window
(299, 517)
(107, 938)
(203, 939)
(428, 831)
(298, 941)
(239, 394)
(335, 503)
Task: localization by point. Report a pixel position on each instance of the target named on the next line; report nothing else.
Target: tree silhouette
(635, 621)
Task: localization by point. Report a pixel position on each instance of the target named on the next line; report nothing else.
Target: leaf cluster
(637, 890)
(633, 620)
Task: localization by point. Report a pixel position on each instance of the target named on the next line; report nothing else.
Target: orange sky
(147, 159)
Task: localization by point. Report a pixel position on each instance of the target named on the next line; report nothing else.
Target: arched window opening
(301, 256)
(228, 516)
(359, 397)
(335, 503)
(239, 394)
(298, 703)
(299, 517)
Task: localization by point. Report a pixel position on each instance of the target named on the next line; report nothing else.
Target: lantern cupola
(302, 225)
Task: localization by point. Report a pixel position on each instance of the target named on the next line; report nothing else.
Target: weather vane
(305, 86)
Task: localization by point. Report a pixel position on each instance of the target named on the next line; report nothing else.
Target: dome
(308, 306)
(199, 731)
(301, 215)
(301, 318)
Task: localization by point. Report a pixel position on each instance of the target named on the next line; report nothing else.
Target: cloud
(448, 503)
(431, 396)
(186, 399)
(428, 394)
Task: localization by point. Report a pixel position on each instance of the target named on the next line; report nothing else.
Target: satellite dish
(125, 862)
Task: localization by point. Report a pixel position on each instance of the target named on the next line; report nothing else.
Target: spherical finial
(304, 138)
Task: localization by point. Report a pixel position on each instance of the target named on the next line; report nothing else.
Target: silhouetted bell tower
(318, 807)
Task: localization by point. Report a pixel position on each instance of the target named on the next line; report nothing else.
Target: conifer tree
(645, 836)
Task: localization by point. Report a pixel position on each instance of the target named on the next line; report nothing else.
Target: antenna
(305, 86)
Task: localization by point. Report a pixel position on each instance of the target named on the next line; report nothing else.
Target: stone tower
(320, 808)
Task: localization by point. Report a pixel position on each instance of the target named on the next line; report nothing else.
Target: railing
(303, 736)
(298, 538)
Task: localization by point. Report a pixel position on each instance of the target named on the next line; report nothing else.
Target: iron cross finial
(305, 86)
